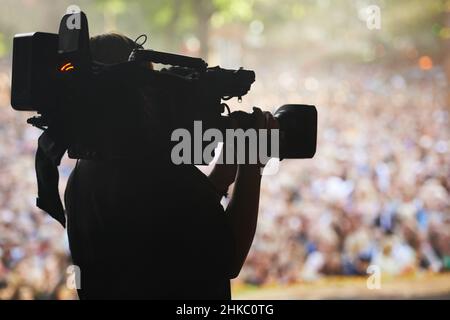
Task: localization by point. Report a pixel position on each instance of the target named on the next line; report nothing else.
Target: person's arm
(242, 209)
(243, 212)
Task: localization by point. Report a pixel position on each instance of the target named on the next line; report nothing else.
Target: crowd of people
(376, 193)
(34, 252)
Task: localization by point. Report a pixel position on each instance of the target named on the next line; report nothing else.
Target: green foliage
(168, 22)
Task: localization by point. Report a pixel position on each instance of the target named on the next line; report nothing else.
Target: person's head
(139, 121)
(111, 48)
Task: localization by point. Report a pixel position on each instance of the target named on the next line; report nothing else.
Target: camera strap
(48, 157)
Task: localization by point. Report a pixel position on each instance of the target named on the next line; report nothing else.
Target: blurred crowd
(33, 247)
(376, 193)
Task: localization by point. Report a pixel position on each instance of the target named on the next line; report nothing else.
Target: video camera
(55, 76)
(82, 103)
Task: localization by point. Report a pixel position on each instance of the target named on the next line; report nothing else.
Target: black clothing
(147, 230)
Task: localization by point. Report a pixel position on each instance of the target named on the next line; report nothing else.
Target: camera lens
(298, 131)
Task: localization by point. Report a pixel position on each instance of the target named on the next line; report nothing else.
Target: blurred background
(377, 191)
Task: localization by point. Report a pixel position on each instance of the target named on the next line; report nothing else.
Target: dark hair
(110, 48)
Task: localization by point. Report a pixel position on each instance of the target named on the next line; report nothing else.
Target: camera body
(54, 75)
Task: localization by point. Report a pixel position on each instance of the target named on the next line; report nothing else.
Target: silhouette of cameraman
(142, 227)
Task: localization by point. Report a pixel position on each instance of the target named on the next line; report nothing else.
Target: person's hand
(257, 120)
(223, 175)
